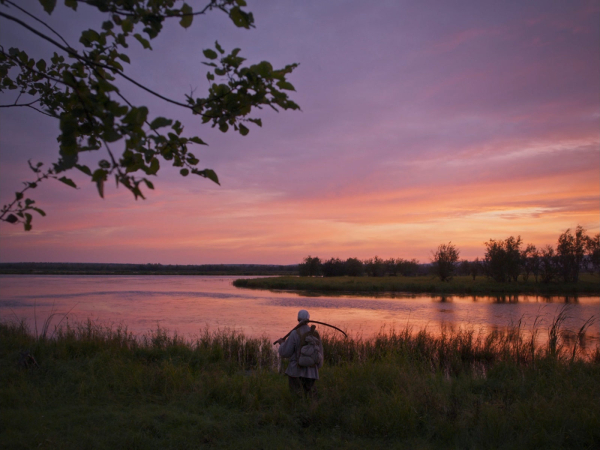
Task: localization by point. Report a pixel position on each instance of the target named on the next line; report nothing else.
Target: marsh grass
(103, 387)
(588, 284)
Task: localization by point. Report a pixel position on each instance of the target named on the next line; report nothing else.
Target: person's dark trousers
(303, 386)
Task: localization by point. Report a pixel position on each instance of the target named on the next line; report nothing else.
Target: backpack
(309, 351)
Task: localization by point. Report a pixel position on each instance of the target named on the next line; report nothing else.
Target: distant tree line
(505, 261)
(354, 267)
(147, 269)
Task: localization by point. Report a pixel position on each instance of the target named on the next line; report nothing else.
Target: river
(189, 304)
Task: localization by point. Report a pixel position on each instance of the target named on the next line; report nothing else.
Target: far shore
(146, 269)
(588, 284)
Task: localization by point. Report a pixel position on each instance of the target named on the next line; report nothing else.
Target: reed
(103, 387)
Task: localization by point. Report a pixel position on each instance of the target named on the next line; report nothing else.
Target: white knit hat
(303, 315)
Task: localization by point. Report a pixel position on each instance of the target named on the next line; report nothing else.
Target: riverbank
(93, 387)
(587, 284)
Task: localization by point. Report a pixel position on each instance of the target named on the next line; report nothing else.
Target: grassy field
(95, 387)
(587, 284)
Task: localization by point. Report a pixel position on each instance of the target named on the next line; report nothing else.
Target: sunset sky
(422, 122)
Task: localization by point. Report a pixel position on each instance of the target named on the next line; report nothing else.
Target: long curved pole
(305, 322)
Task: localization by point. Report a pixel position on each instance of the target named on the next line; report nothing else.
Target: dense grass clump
(90, 386)
(587, 284)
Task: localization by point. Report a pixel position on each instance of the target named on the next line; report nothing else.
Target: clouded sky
(422, 122)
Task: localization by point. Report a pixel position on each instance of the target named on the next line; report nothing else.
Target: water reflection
(188, 304)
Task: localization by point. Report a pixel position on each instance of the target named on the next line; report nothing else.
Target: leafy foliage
(503, 259)
(79, 88)
(570, 253)
(593, 248)
(444, 261)
(310, 267)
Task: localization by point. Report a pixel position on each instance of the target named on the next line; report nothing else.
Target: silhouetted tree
(529, 260)
(464, 267)
(391, 266)
(333, 268)
(375, 267)
(444, 261)
(503, 259)
(310, 267)
(475, 268)
(548, 264)
(354, 267)
(408, 268)
(570, 253)
(593, 249)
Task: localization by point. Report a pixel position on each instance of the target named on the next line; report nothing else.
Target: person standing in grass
(305, 351)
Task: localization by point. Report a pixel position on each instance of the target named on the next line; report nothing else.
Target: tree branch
(122, 12)
(76, 55)
(38, 20)
(8, 209)
(29, 105)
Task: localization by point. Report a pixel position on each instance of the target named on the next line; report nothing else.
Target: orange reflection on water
(189, 304)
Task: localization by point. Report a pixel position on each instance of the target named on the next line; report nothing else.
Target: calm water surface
(189, 304)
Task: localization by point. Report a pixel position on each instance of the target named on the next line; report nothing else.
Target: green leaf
(184, 172)
(240, 18)
(154, 166)
(11, 218)
(142, 41)
(18, 195)
(48, 5)
(285, 85)
(68, 182)
(89, 36)
(187, 18)
(210, 54)
(41, 65)
(84, 169)
(69, 128)
(243, 130)
(99, 177)
(177, 127)
(210, 174)
(197, 140)
(219, 48)
(160, 122)
(264, 69)
(124, 57)
(71, 4)
(39, 211)
(127, 25)
(111, 135)
(148, 183)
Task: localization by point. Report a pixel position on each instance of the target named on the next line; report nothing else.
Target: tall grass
(103, 387)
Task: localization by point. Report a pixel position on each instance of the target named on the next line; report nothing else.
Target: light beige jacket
(289, 349)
